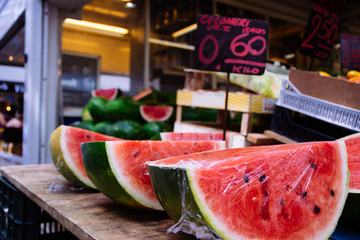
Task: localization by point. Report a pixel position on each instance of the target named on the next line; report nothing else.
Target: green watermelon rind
(204, 216)
(125, 184)
(97, 167)
(176, 197)
(61, 159)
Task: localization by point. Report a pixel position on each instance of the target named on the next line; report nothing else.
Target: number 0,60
(235, 44)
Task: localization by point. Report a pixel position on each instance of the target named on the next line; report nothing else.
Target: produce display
(65, 152)
(118, 170)
(286, 192)
(110, 113)
(289, 191)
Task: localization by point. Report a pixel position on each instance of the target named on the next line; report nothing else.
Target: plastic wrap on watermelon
(292, 191)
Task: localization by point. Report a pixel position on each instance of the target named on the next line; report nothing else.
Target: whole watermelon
(126, 129)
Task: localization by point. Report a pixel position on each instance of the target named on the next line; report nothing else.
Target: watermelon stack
(110, 113)
(273, 192)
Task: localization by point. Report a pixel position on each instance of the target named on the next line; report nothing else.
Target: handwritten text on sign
(320, 33)
(350, 51)
(228, 44)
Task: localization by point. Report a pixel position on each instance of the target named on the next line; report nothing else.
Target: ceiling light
(184, 31)
(95, 27)
(105, 11)
(130, 5)
(11, 58)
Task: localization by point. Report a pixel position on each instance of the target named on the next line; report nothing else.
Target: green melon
(88, 125)
(118, 168)
(280, 192)
(152, 129)
(126, 129)
(85, 115)
(123, 108)
(96, 107)
(65, 152)
(102, 127)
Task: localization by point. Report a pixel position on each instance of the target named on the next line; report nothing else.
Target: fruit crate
(21, 218)
(327, 105)
(302, 128)
(237, 101)
(246, 103)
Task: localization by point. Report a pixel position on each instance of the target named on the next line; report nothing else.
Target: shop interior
(136, 45)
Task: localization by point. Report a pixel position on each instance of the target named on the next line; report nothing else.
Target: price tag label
(233, 45)
(320, 33)
(350, 51)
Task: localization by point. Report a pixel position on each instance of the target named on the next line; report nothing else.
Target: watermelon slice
(108, 94)
(65, 151)
(176, 136)
(118, 168)
(274, 192)
(353, 146)
(156, 113)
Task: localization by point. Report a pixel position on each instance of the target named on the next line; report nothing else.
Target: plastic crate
(303, 128)
(22, 219)
(338, 115)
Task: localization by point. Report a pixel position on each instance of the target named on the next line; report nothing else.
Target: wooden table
(87, 214)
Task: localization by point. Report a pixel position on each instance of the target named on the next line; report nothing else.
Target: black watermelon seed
(262, 178)
(87, 136)
(266, 194)
(282, 202)
(135, 154)
(303, 194)
(316, 210)
(313, 166)
(332, 192)
(246, 178)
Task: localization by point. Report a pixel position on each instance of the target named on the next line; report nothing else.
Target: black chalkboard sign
(229, 44)
(320, 33)
(350, 51)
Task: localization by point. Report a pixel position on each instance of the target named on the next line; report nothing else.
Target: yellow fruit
(354, 79)
(325, 74)
(353, 73)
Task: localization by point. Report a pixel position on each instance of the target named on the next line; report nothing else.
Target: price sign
(350, 51)
(233, 45)
(320, 33)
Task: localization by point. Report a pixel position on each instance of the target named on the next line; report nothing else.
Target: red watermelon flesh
(128, 163)
(269, 193)
(156, 113)
(353, 146)
(173, 136)
(108, 94)
(66, 152)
